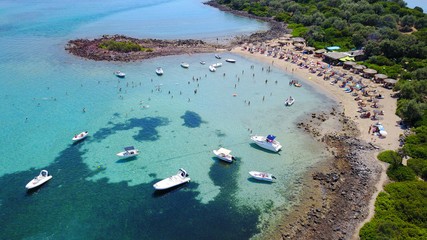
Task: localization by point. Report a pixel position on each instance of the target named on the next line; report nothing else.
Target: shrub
(401, 173)
(391, 157)
(418, 166)
(121, 46)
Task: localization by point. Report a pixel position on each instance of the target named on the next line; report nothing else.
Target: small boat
(159, 71)
(185, 65)
(230, 60)
(262, 176)
(172, 181)
(267, 142)
(80, 136)
(202, 62)
(224, 154)
(297, 85)
(216, 65)
(289, 101)
(129, 152)
(120, 74)
(212, 68)
(39, 180)
(217, 56)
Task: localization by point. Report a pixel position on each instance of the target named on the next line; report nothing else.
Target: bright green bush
(390, 156)
(121, 46)
(400, 213)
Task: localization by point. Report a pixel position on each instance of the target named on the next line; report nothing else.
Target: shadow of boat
(254, 145)
(162, 193)
(251, 179)
(125, 160)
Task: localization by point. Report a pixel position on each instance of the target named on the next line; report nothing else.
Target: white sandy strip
(391, 142)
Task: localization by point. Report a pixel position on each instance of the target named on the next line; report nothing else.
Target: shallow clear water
(93, 194)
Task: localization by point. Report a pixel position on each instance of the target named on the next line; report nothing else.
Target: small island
(125, 49)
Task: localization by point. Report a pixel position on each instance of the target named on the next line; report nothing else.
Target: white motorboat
(129, 152)
(289, 101)
(159, 71)
(39, 180)
(230, 60)
(212, 68)
(185, 65)
(80, 136)
(262, 176)
(267, 142)
(172, 181)
(217, 65)
(202, 62)
(224, 154)
(217, 56)
(120, 74)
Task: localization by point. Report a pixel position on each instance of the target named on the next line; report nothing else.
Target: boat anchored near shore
(159, 71)
(120, 74)
(185, 65)
(129, 152)
(80, 136)
(39, 180)
(267, 142)
(224, 154)
(180, 178)
(262, 176)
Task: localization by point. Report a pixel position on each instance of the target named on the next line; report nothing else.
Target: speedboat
(202, 62)
(230, 60)
(262, 176)
(39, 180)
(289, 101)
(120, 74)
(185, 65)
(217, 56)
(159, 71)
(80, 136)
(212, 68)
(216, 65)
(224, 154)
(172, 181)
(129, 152)
(267, 142)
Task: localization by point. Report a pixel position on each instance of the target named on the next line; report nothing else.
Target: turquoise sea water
(95, 195)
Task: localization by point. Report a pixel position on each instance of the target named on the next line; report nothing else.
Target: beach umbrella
(383, 133)
(375, 100)
(377, 111)
(364, 108)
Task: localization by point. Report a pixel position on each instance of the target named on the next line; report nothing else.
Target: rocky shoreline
(89, 49)
(343, 189)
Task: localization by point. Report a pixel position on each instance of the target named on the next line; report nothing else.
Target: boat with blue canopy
(129, 152)
(268, 142)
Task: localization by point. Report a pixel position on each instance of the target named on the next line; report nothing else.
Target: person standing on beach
(370, 127)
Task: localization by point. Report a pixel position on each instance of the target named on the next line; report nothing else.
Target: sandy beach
(371, 144)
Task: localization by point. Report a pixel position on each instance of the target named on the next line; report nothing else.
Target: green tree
(408, 20)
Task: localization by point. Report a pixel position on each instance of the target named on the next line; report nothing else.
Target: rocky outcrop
(89, 48)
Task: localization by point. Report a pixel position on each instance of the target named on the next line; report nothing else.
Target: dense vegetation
(394, 39)
(122, 46)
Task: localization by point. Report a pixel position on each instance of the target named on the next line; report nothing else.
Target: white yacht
(39, 180)
(129, 152)
(120, 74)
(159, 71)
(262, 176)
(217, 56)
(267, 142)
(172, 181)
(212, 68)
(80, 136)
(185, 65)
(230, 60)
(224, 154)
(217, 65)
